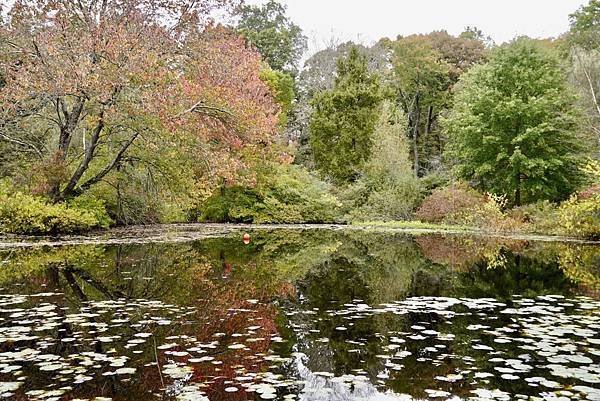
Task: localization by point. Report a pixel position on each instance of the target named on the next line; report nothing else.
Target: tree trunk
(429, 120)
(518, 190)
(87, 158)
(415, 135)
(428, 129)
(71, 119)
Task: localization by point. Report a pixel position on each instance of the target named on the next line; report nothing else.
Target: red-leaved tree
(88, 83)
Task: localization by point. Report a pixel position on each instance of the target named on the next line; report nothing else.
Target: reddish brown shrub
(452, 205)
(589, 192)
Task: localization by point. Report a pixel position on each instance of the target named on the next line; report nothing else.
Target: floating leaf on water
(125, 371)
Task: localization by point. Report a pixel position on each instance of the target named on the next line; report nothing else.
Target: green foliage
(88, 204)
(538, 217)
(279, 41)
(425, 68)
(318, 74)
(513, 128)
(585, 26)
(282, 86)
(433, 181)
(580, 217)
(388, 189)
(22, 213)
(283, 194)
(344, 118)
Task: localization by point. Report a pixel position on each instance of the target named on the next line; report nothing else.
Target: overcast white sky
(368, 20)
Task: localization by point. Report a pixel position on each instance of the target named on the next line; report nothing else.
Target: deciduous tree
(425, 68)
(514, 126)
(583, 40)
(94, 85)
(268, 28)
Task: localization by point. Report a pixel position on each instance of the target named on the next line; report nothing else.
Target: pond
(301, 315)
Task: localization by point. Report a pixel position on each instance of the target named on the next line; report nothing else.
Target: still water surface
(302, 315)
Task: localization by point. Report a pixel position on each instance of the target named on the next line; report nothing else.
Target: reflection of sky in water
(548, 343)
(319, 388)
(317, 316)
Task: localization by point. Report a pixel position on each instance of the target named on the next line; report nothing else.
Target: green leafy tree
(514, 127)
(282, 86)
(318, 74)
(344, 118)
(387, 190)
(425, 68)
(268, 28)
(585, 26)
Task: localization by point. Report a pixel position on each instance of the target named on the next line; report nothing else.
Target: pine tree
(344, 118)
(514, 126)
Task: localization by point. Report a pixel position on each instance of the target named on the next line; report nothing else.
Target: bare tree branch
(23, 143)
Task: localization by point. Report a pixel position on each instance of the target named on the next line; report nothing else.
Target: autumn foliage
(90, 86)
(450, 204)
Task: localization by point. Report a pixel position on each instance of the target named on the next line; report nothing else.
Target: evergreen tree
(514, 127)
(344, 118)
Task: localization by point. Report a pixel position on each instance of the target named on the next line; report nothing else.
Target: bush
(433, 181)
(580, 217)
(382, 203)
(539, 217)
(22, 213)
(455, 204)
(491, 215)
(283, 194)
(95, 207)
(461, 205)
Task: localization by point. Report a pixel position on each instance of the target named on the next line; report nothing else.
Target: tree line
(217, 120)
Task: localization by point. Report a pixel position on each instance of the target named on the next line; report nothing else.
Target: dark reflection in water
(308, 315)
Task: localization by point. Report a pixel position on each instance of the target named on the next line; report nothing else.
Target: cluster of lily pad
(54, 350)
(546, 347)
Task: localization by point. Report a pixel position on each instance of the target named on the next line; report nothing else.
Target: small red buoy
(246, 238)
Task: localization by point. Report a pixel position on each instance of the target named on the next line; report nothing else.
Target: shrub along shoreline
(454, 208)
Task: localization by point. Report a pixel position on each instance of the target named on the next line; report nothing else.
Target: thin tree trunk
(589, 80)
(429, 120)
(120, 211)
(518, 190)
(415, 135)
(428, 128)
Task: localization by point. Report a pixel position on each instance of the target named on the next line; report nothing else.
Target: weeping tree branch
(73, 187)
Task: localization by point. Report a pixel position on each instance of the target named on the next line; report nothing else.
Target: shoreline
(186, 232)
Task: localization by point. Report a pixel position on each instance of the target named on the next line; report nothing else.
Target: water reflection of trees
(306, 271)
